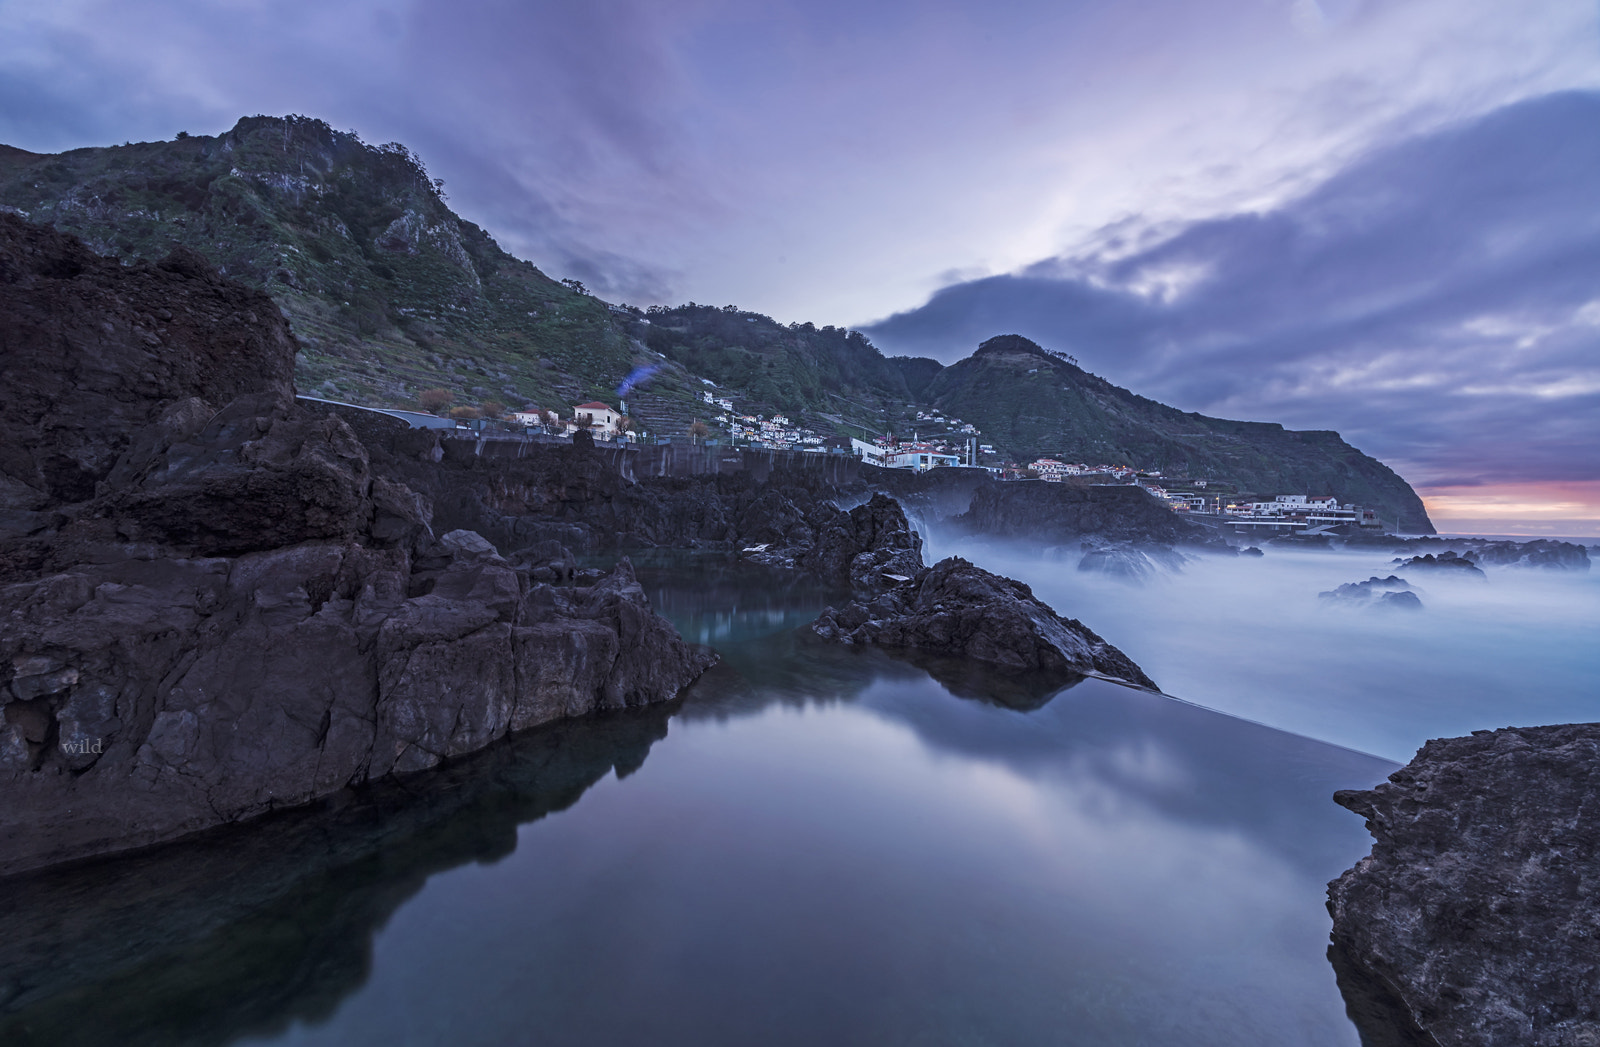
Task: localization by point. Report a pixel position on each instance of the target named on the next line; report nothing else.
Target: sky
(1375, 216)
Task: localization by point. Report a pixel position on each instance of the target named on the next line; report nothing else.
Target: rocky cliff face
(388, 290)
(1473, 922)
(96, 353)
(1062, 512)
(589, 499)
(211, 605)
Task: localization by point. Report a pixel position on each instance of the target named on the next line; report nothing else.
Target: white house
(1048, 468)
(601, 418)
(529, 418)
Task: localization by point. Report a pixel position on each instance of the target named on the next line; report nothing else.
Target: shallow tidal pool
(817, 845)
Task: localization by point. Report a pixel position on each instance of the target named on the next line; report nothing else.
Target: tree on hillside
(464, 413)
(625, 424)
(698, 430)
(434, 401)
(492, 409)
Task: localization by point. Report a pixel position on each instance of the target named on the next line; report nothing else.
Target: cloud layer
(813, 159)
(1438, 301)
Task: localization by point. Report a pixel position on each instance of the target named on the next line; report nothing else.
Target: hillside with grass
(388, 291)
(828, 376)
(1033, 402)
(391, 295)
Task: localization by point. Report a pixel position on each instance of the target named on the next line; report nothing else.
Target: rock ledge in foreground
(1474, 922)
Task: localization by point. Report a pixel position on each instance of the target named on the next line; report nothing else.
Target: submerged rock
(955, 608)
(1392, 592)
(1541, 552)
(1445, 563)
(1401, 601)
(1128, 562)
(1473, 922)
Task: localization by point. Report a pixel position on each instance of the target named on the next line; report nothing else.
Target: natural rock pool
(819, 845)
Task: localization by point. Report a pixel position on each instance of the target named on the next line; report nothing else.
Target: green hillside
(823, 375)
(1032, 402)
(388, 291)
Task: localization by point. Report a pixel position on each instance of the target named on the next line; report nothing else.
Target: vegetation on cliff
(1029, 401)
(391, 296)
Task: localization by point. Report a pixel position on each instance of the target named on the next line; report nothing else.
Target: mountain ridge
(389, 292)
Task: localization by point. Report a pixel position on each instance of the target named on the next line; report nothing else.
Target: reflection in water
(247, 929)
(830, 848)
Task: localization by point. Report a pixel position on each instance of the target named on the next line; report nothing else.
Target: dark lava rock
(868, 548)
(1445, 563)
(1056, 512)
(96, 351)
(1251, 551)
(1474, 921)
(954, 608)
(211, 607)
(1541, 552)
(1392, 592)
(1129, 563)
(1400, 601)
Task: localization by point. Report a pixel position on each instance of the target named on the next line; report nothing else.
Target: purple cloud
(1438, 301)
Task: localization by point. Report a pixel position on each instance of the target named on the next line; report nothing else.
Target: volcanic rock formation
(1473, 922)
(210, 605)
(956, 609)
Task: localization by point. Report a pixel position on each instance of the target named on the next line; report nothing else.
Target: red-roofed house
(601, 417)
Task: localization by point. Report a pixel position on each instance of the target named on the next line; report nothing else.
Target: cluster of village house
(754, 428)
(595, 416)
(1285, 511)
(920, 455)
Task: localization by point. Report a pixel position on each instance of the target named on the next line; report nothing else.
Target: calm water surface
(819, 846)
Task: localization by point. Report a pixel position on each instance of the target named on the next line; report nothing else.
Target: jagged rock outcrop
(1391, 593)
(150, 698)
(1544, 553)
(1059, 512)
(957, 609)
(96, 354)
(1541, 552)
(211, 607)
(1446, 563)
(592, 499)
(1474, 920)
(1129, 563)
(868, 548)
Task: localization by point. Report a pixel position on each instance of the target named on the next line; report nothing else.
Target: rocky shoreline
(213, 608)
(220, 602)
(1474, 920)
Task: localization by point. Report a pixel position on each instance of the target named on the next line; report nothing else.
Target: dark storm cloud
(1438, 302)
